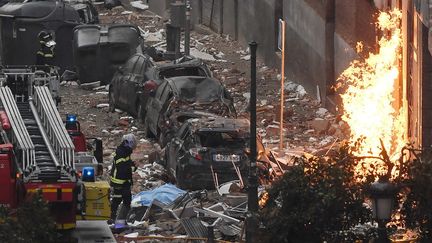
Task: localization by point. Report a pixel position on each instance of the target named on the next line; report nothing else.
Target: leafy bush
(317, 199)
(31, 222)
(417, 197)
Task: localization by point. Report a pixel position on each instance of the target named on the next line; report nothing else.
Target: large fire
(368, 95)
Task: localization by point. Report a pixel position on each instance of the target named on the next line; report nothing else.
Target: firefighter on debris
(121, 179)
(45, 54)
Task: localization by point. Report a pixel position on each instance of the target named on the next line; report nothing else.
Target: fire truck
(37, 151)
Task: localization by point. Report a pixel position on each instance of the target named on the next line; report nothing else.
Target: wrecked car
(207, 152)
(86, 10)
(133, 82)
(100, 49)
(185, 94)
(127, 90)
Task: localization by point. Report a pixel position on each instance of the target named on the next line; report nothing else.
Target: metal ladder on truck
(45, 146)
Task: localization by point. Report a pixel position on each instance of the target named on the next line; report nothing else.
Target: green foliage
(316, 200)
(416, 208)
(31, 222)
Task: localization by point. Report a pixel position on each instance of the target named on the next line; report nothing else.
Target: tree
(31, 222)
(316, 199)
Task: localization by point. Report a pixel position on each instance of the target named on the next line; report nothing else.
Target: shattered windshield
(216, 139)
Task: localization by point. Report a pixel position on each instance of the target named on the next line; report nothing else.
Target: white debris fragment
(132, 235)
(126, 12)
(312, 139)
(220, 55)
(126, 118)
(143, 140)
(102, 92)
(326, 141)
(246, 58)
(246, 95)
(99, 88)
(321, 112)
(103, 105)
(225, 70)
(202, 55)
(139, 5)
(73, 83)
(153, 36)
(290, 86)
(63, 83)
(134, 128)
(105, 132)
(264, 102)
(301, 92)
(115, 132)
(90, 86)
(118, 111)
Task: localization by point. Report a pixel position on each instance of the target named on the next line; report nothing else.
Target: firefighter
(45, 54)
(121, 178)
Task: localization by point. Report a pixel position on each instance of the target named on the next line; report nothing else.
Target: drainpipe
(251, 217)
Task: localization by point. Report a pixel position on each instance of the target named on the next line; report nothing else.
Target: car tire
(111, 101)
(147, 132)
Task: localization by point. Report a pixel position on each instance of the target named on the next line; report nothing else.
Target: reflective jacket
(122, 168)
(45, 56)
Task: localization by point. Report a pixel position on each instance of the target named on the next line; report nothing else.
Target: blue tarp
(165, 194)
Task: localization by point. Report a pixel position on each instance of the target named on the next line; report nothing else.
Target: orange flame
(369, 87)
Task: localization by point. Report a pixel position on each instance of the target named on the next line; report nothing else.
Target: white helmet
(130, 140)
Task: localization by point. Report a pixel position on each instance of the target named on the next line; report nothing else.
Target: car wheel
(111, 98)
(147, 132)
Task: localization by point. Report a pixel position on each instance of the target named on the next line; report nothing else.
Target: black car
(181, 94)
(127, 85)
(133, 82)
(209, 151)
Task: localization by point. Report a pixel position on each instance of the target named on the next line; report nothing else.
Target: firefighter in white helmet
(121, 177)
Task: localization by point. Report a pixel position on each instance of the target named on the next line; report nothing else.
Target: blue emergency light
(71, 118)
(88, 174)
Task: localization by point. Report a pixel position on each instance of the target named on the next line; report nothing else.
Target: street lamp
(382, 194)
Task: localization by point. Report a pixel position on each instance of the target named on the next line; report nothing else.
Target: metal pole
(251, 218)
(282, 101)
(187, 29)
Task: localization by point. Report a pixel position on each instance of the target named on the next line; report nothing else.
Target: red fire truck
(36, 150)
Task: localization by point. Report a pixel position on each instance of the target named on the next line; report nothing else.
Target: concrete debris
(202, 55)
(90, 86)
(139, 5)
(103, 105)
(246, 58)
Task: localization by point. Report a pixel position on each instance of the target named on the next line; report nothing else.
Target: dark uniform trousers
(121, 182)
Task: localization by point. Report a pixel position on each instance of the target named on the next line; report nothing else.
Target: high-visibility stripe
(117, 181)
(122, 160)
(40, 53)
(48, 55)
(66, 226)
(67, 190)
(116, 196)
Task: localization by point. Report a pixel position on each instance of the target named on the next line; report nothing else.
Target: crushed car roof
(196, 89)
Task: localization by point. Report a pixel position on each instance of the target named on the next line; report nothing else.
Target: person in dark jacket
(121, 177)
(45, 54)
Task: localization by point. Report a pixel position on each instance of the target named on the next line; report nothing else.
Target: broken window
(182, 71)
(222, 139)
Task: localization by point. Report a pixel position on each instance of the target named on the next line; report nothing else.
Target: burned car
(133, 82)
(207, 152)
(189, 93)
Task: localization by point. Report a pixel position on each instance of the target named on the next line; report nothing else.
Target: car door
(123, 82)
(154, 107)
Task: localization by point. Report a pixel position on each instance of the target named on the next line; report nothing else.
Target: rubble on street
(307, 128)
